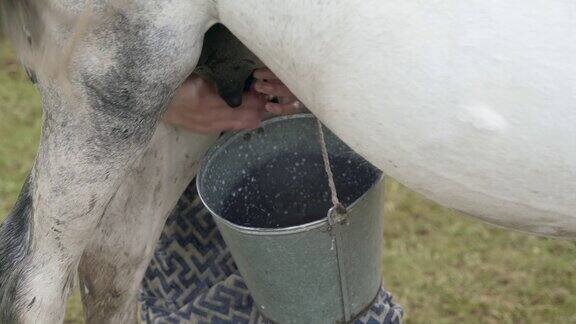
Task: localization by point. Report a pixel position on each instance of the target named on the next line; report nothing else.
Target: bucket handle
(337, 217)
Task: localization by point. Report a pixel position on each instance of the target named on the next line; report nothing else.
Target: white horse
(470, 103)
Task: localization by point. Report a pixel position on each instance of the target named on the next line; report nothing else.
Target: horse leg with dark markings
(121, 75)
(114, 263)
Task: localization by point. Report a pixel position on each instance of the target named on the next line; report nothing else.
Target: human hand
(197, 107)
(269, 84)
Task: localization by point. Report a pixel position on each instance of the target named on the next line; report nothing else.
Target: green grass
(19, 127)
(441, 266)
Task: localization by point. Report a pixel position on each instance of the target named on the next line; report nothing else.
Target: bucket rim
(226, 140)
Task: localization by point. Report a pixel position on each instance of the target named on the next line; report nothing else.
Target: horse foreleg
(114, 263)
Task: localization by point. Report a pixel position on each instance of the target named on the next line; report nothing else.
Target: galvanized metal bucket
(268, 192)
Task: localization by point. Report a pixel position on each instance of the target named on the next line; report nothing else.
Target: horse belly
(470, 104)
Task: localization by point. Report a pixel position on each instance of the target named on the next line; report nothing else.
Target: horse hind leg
(94, 130)
(114, 262)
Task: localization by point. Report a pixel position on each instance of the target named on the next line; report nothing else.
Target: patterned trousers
(192, 277)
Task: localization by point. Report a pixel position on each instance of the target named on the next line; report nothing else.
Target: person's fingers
(198, 108)
(219, 119)
(274, 81)
(273, 89)
(197, 129)
(264, 74)
(285, 108)
(194, 124)
(247, 116)
(253, 100)
(251, 112)
(232, 119)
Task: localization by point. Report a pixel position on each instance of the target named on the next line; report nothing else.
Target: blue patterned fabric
(192, 277)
